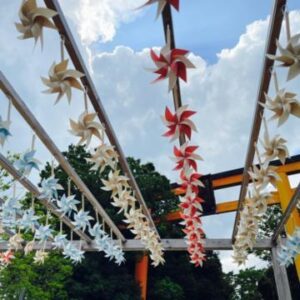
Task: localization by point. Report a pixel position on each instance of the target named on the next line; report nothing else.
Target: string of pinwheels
(61, 80)
(172, 64)
(282, 106)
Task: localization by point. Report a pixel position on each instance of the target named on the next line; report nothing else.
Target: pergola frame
(169, 244)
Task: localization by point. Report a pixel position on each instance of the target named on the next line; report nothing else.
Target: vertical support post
(281, 278)
(141, 274)
(285, 194)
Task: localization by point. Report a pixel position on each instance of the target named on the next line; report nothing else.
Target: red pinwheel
(171, 63)
(185, 157)
(162, 4)
(190, 203)
(179, 123)
(190, 181)
(6, 257)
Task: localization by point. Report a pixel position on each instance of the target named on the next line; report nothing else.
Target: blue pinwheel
(119, 256)
(49, 188)
(73, 253)
(67, 204)
(96, 231)
(82, 220)
(43, 233)
(29, 220)
(102, 243)
(4, 130)
(27, 162)
(60, 241)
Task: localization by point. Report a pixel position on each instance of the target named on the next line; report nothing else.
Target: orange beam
(141, 274)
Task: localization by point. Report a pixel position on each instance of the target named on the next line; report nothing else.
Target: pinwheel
(29, 247)
(283, 105)
(197, 258)
(61, 80)
(259, 200)
(274, 147)
(82, 220)
(15, 241)
(73, 253)
(102, 242)
(96, 231)
(49, 188)
(179, 123)
(12, 204)
(43, 233)
(191, 203)
(40, 256)
(60, 240)
(67, 204)
(6, 257)
(86, 127)
(171, 63)
(27, 162)
(239, 255)
(190, 182)
(119, 256)
(115, 182)
(123, 200)
(104, 155)
(185, 157)
(289, 56)
(161, 5)
(33, 20)
(264, 175)
(29, 220)
(4, 130)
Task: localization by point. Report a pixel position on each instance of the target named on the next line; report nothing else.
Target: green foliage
(166, 289)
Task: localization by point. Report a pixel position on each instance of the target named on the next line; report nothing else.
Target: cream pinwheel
(104, 155)
(86, 128)
(123, 200)
(61, 80)
(40, 256)
(264, 175)
(15, 242)
(274, 147)
(283, 105)
(161, 5)
(33, 20)
(115, 182)
(29, 247)
(290, 56)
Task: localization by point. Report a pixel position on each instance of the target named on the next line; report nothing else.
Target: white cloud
(98, 20)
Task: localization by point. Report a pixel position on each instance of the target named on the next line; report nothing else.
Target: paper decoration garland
(171, 63)
(4, 130)
(6, 257)
(161, 5)
(61, 80)
(33, 20)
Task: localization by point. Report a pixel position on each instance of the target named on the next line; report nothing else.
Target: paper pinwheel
(185, 157)
(29, 220)
(123, 200)
(73, 253)
(179, 123)
(102, 242)
(191, 203)
(283, 105)
(115, 182)
(61, 80)
(82, 220)
(43, 233)
(60, 241)
(190, 182)
(40, 256)
(49, 188)
(171, 63)
(263, 176)
(104, 155)
(86, 127)
(15, 242)
(29, 247)
(161, 5)
(6, 257)
(96, 231)
(33, 20)
(11, 205)
(27, 162)
(289, 56)
(4, 130)
(67, 204)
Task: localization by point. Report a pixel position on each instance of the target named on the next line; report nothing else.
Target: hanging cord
(62, 48)
(60, 226)
(85, 100)
(257, 154)
(82, 202)
(52, 169)
(9, 110)
(287, 26)
(71, 238)
(33, 142)
(97, 216)
(69, 187)
(275, 81)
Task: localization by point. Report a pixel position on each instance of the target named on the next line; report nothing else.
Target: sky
(226, 40)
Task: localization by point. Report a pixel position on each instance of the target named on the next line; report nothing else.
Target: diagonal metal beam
(273, 35)
(286, 215)
(5, 163)
(78, 62)
(28, 116)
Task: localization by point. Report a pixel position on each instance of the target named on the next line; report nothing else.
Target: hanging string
(103, 225)
(9, 109)
(71, 235)
(80, 244)
(111, 234)
(47, 218)
(52, 169)
(287, 25)
(257, 153)
(69, 187)
(82, 202)
(62, 48)
(97, 216)
(60, 226)
(33, 142)
(85, 100)
(276, 82)
(266, 126)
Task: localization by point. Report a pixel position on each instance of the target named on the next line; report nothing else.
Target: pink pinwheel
(190, 182)
(6, 257)
(185, 157)
(171, 63)
(162, 4)
(179, 123)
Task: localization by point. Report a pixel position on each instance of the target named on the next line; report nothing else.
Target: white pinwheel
(60, 240)
(4, 130)
(67, 204)
(96, 231)
(40, 256)
(115, 182)
(102, 242)
(27, 162)
(123, 200)
(29, 220)
(49, 188)
(43, 233)
(29, 247)
(73, 253)
(264, 175)
(82, 220)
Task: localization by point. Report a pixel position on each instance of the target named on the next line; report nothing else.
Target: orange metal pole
(285, 195)
(141, 274)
